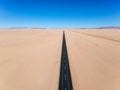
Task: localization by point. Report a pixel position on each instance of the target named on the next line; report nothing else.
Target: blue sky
(59, 13)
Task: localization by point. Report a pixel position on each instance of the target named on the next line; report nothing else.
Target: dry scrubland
(30, 59)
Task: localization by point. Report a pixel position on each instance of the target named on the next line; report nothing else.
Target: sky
(59, 13)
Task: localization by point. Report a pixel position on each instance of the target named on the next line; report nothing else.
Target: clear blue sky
(59, 13)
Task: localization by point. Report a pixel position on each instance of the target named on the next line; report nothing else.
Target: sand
(30, 59)
(94, 57)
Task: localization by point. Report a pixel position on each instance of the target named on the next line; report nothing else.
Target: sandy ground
(94, 57)
(30, 60)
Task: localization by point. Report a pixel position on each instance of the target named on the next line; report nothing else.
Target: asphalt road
(65, 76)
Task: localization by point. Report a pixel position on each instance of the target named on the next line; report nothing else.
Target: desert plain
(30, 59)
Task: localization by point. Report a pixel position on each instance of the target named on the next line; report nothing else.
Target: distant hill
(110, 27)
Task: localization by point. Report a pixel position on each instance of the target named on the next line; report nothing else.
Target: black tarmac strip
(65, 82)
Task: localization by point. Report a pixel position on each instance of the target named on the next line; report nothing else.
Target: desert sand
(30, 60)
(94, 57)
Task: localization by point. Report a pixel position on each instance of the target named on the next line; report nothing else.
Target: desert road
(79, 59)
(65, 75)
